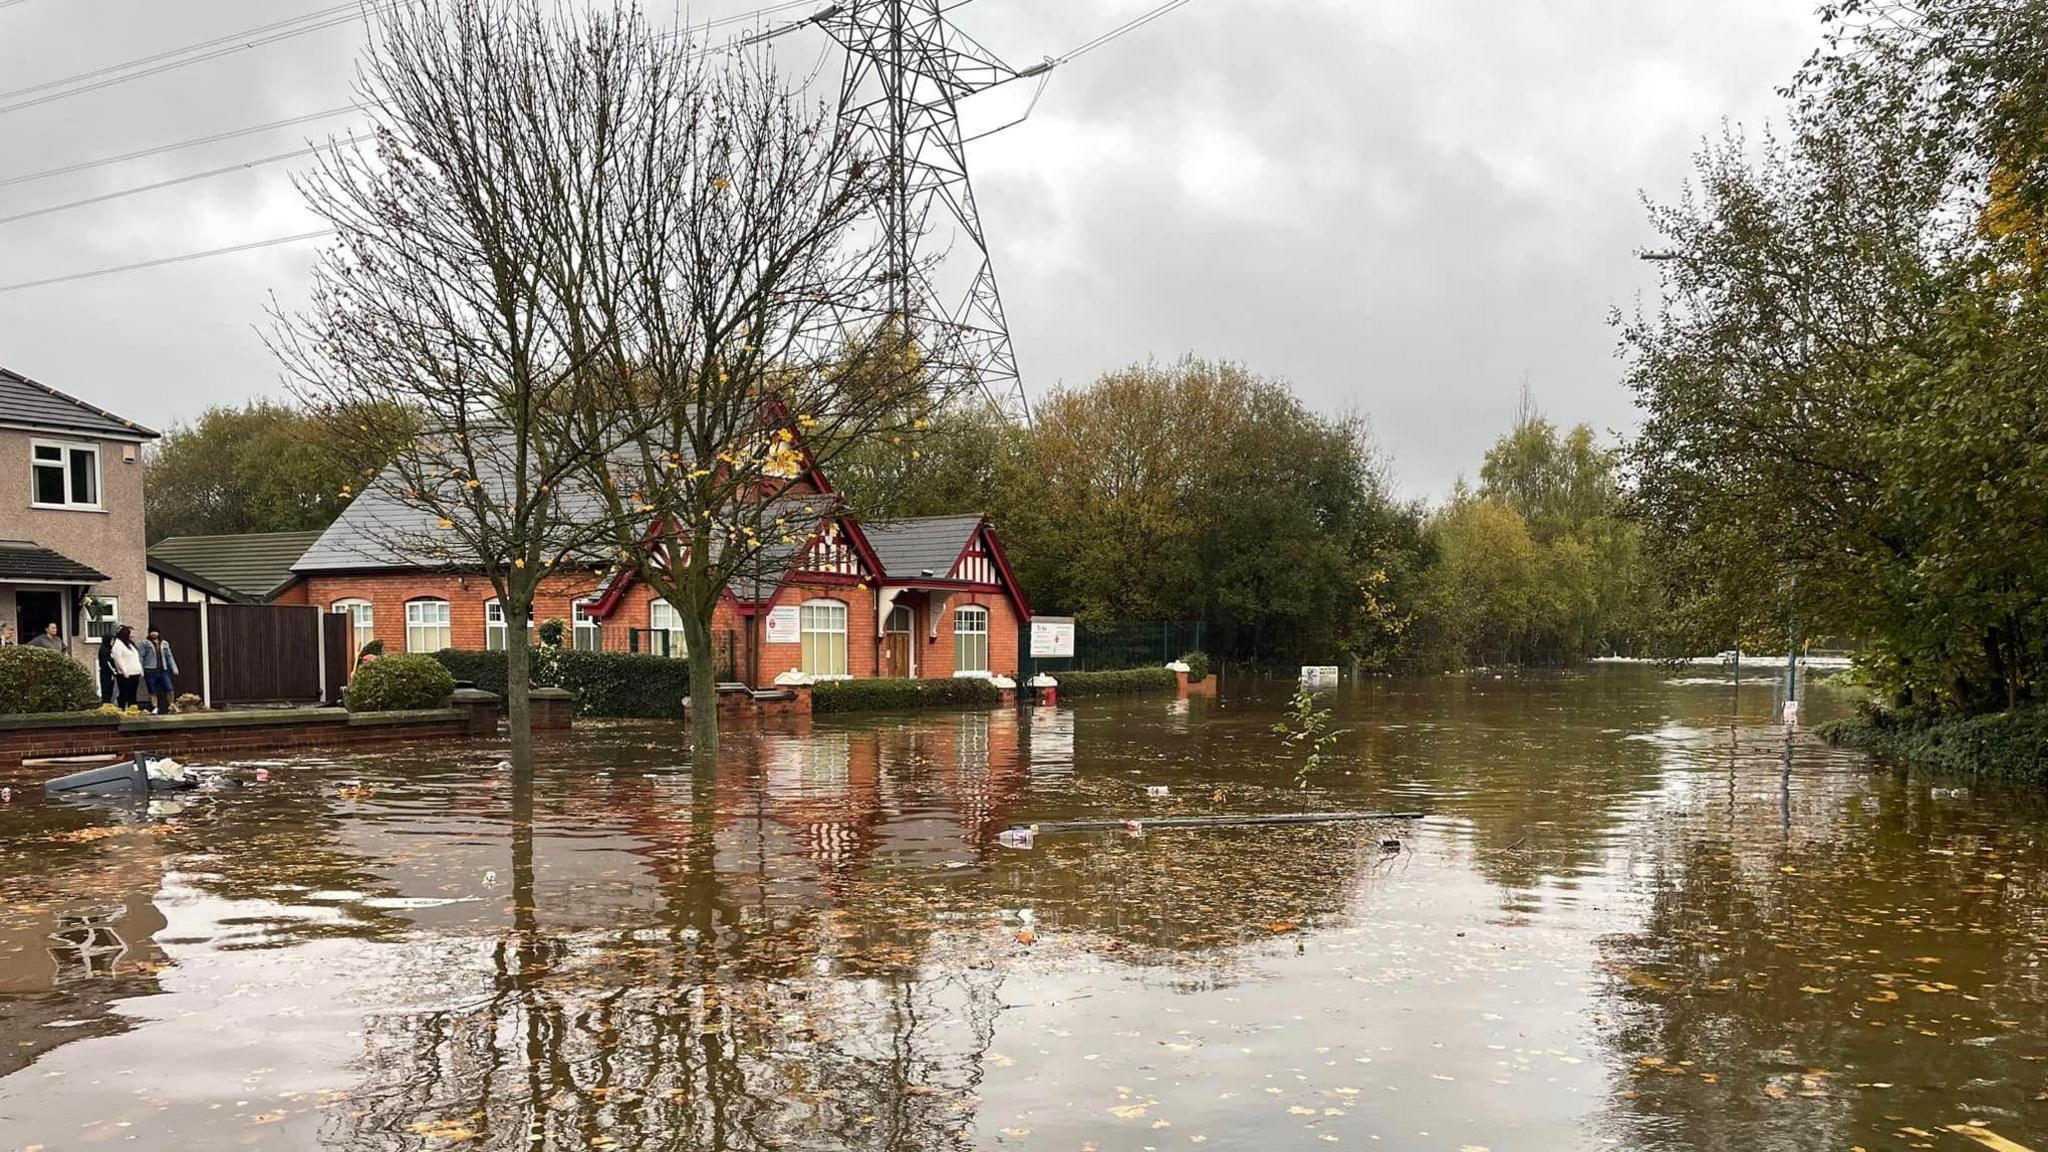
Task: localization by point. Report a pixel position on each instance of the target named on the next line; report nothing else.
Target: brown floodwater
(1635, 917)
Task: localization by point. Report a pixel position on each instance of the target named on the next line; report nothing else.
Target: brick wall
(220, 734)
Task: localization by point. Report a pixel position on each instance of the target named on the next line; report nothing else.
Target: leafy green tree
(262, 467)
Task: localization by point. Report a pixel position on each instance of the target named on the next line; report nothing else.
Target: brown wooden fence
(256, 653)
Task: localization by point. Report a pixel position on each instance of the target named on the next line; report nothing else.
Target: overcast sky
(1405, 207)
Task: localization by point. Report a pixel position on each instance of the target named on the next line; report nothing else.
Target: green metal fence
(1123, 644)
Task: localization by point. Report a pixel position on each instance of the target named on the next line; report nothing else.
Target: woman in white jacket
(127, 665)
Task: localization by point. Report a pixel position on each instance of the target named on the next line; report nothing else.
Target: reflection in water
(1635, 919)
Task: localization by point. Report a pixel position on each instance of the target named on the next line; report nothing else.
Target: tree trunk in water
(703, 692)
(519, 688)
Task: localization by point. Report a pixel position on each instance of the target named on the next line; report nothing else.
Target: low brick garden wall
(39, 737)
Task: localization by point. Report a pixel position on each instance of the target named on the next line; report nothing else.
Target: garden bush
(618, 684)
(888, 695)
(35, 680)
(1198, 666)
(400, 683)
(1119, 683)
(2002, 745)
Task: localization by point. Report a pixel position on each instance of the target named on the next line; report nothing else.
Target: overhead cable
(158, 263)
(173, 181)
(160, 149)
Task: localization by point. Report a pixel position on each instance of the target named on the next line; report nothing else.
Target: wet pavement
(1635, 917)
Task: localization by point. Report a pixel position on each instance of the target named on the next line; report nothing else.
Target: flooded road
(1635, 918)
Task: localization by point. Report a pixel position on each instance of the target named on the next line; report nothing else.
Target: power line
(166, 61)
(1122, 29)
(167, 260)
(175, 180)
(158, 150)
(11, 3)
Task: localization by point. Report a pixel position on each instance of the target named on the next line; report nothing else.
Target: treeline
(1200, 490)
(261, 467)
(1845, 382)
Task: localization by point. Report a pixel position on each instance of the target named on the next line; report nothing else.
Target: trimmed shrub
(2003, 745)
(893, 695)
(618, 684)
(1125, 682)
(36, 680)
(1198, 666)
(400, 683)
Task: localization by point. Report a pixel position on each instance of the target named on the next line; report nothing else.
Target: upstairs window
(426, 626)
(970, 640)
(64, 475)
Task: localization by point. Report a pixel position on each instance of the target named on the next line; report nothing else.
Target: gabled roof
(254, 564)
(920, 549)
(25, 403)
(21, 560)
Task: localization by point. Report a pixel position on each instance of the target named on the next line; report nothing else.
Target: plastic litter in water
(263, 775)
(1156, 790)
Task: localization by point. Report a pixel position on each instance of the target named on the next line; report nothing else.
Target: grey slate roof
(254, 564)
(22, 560)
(23, 401)
(909, 549)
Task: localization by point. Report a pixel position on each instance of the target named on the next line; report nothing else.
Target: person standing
(7, 639)
(106, 667)
(49, 639)
(159, 664)
(127, 664)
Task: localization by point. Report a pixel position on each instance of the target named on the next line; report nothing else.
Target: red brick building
(930, 597)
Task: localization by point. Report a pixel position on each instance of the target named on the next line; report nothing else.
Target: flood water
(1634, 917)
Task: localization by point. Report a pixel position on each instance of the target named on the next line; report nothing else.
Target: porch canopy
(25, 562)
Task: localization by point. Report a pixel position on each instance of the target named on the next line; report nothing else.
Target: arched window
(824, 637)
(362, 620)
(666, 625)
(494, 625)
(970, 641)
(426, 625)
(589, 635)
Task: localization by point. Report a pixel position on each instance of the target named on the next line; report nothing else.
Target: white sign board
(1052, 636)
(1319, 675)
(784, 626)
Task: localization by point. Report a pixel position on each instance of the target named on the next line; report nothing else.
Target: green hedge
(1198, 666)
(887, 695)
(1130, 680)
(2003, 745)
(621, 684)
(399, 683)
(37, 680)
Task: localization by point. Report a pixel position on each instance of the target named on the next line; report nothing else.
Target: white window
(64, 475)
(970, 640)
(589, 629)
(102, 618)
(823, 624)
(362, 620)
(494, 626)
(664, 620)
(426, 626)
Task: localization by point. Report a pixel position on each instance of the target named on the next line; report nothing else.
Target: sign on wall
(784, 625)
(1052, 637)
(1318, 676)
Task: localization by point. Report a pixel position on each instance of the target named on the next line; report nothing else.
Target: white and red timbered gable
(977, 563)
(831, 553)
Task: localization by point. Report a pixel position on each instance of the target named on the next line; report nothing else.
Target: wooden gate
(263, 653)
(339, 652)
(180, 625)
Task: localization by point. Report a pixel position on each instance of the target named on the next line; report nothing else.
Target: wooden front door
(896, 658)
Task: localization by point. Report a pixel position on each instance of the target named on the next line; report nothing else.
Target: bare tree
(449, 326)
(752, 341)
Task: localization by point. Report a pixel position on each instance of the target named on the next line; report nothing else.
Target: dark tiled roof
(256, 564)
(21, 560)
(23, 401)
(922, 548)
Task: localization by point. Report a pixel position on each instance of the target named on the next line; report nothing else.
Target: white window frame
(809, 618)
(444, 627)
(113, 605)
(678, 640)
(65, 449)
(496, 636)
(580, 622)
(964, 636)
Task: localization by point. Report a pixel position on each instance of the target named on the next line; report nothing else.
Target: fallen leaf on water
(1776, 1091)
(1128, 1111)
(1987, 1138)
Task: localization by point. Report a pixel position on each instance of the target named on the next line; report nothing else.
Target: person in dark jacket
(106, 663)
(159, 664)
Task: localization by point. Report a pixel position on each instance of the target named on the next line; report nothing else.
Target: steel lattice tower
(907, 70)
